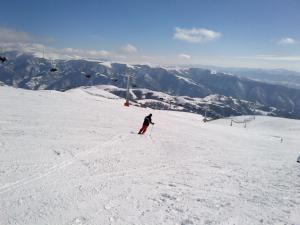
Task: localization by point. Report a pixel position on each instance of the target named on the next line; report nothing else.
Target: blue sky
(241, 33)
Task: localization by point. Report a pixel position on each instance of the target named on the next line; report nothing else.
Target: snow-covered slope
(213, 106)
(75, 158)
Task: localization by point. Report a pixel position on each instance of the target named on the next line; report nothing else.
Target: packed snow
(187, 80)
(106, 63)
(75, 158)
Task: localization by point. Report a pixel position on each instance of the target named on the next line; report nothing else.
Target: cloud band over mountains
(196, 35)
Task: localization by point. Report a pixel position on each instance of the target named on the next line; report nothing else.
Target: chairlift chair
(53, 66)
(3, 59)
(53, 70)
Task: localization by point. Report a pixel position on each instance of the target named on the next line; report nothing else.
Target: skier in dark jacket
(146, 123)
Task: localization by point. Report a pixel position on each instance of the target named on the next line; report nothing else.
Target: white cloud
(184, 56)
(86, 53)
(196, 35)
(14, 36)
(73, 53)
(256, 61)
(272, 57)
(128, 49)
(54, 53)
(23, 47)
(126, 55)
(11, 39)
(287, 41)
(9, 35)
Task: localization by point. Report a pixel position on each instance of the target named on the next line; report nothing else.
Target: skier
(146, 123)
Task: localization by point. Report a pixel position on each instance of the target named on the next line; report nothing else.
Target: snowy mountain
(75, 157)
(213, 106)
(27, 71)
(275, 76)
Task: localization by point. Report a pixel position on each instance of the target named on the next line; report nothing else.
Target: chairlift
(53, 66)
(3, 59)
(53, 70)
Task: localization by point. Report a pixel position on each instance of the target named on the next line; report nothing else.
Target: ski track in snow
(75, 158)
(18, 184)
(8, 187)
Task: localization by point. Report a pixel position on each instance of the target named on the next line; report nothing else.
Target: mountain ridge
(30, 72)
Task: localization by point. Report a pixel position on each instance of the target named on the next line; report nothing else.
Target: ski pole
(151, 130)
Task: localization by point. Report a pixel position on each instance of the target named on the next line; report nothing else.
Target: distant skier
(146, 123)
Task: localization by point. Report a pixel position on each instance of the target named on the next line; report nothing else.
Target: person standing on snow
(146, 123)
